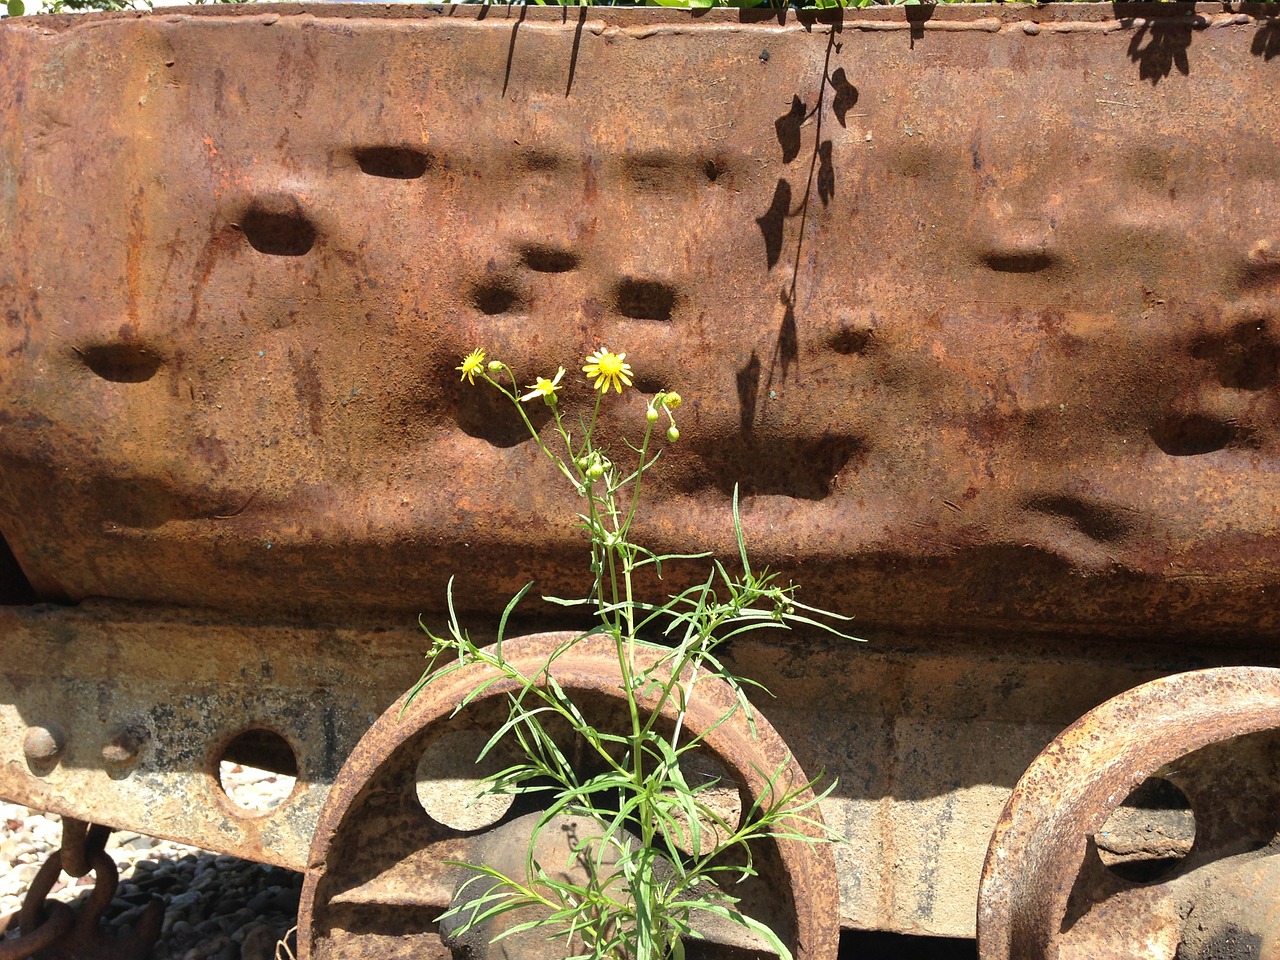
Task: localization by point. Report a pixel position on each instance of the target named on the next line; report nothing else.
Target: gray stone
(259, 944)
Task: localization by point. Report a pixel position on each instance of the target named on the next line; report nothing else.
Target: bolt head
(124, 746)
(42, 744)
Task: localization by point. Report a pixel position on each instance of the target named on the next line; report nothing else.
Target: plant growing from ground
(634, 889)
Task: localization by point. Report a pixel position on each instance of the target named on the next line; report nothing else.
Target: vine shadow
(837, 93)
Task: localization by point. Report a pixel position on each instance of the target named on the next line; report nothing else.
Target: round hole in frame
(258, 771)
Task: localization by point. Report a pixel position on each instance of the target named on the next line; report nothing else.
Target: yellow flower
(672, 400)
(606, 369)
(545, 388)
(472, 364)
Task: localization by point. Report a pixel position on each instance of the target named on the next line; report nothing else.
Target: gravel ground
(216, 907)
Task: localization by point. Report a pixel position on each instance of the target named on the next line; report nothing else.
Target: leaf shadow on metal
(836, 91)
(1161, 39)
(918, 14)
(573, 54)
(1266, 42)
(511, 48)
(1165, 48)
(577, 43)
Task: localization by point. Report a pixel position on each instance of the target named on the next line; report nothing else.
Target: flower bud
(495, 365)
(672, 433)
(651, 414)
(595, 471)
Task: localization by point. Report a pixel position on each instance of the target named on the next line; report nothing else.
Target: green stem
(640, 469)
(613, 586)
(597, 550)
(595, 413)
(528, 424)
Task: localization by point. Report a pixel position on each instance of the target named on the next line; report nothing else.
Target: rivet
(42, 744)
(124, 746)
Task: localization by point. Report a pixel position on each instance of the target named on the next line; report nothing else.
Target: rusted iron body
(975, 311)
(973, 305)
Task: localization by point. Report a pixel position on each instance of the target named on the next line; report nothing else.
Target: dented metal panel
(973, 306)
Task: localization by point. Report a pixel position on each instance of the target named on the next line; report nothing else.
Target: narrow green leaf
(502, 624)
(737, 530)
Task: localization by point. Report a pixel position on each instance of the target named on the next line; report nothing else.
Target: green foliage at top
(16, 8)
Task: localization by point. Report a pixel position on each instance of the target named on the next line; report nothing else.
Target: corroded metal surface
(382, 872)
(976, 306)
(1215, 735)
(183, 688)
(926, 736)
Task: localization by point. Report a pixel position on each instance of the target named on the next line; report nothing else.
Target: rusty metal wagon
(976, 306)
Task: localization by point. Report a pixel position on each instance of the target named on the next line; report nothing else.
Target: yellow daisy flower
(545, 388)
(472, 364)
(606, 368)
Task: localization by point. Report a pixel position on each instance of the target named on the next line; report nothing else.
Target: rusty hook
(57, 922)
(75, 857)
(52, 930)
(81, 842)
(30, 916)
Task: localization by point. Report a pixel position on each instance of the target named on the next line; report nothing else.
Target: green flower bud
(651, 415)
(672, 433)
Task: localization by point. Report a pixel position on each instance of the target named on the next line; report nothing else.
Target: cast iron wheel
(1048, 894)
(383, 870)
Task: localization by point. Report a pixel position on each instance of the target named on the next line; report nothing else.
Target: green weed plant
(636, 891)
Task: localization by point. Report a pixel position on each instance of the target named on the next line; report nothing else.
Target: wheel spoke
(721, 939)
(1133, 924)
(1232, 788)
(424, 878)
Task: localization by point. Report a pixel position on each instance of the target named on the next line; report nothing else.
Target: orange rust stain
(133, 258)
